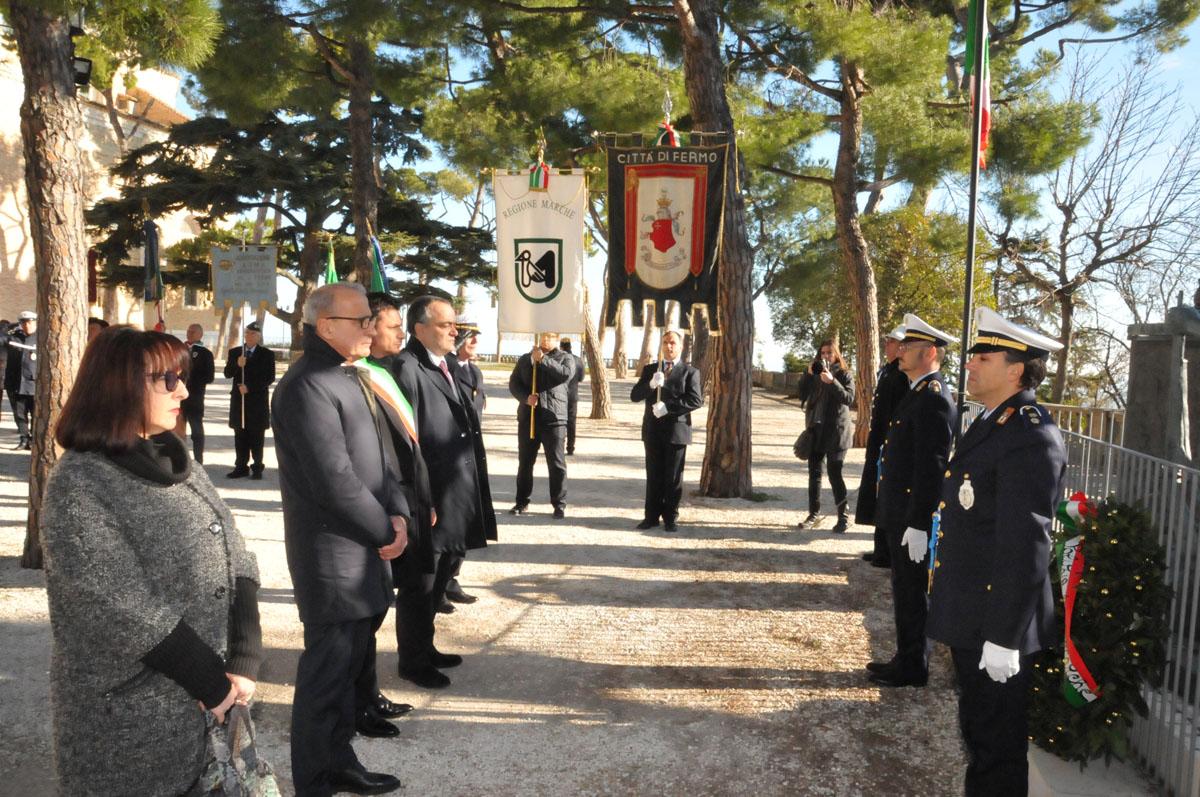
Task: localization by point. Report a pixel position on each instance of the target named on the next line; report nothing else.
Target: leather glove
(659, 409)
(1000, 663)
(658, 379)
(918, 544)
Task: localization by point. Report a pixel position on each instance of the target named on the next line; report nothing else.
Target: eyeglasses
(363, 321)
(170, 380)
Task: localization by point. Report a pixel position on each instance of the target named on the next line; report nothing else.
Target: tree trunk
(364, 198)
(647, 337)
(597, 375)
(310, 270)
(856, 259)
(726, 472)
(1066, 336)
(50, 122)
(223, 331)
(620, 364)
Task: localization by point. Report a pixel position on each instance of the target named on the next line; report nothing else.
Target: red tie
(446, 372)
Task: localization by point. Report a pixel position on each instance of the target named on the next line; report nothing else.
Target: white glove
(918, 544)
(1000, 663)
(658, 379)
(659, 409)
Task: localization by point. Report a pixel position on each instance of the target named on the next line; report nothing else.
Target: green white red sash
(390, 395)
(1079, 687)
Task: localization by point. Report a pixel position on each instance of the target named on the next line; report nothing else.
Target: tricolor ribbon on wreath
(1079, 687)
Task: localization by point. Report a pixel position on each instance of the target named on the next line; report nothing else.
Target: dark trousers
(550, 439)
(247, 443)
(366, 685)
(664, 479)
(834, 461)
(572, 415)
(22, 407)
(417, 597)
(994, 720)
(910, 606)
(323, 703)
(880, 553)
(195, 421)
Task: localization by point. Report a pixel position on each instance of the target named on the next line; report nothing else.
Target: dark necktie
(667, 368)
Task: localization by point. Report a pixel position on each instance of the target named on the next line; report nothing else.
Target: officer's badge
(966, 494)
(936, 387)
(1031, 412)
(1003, 419)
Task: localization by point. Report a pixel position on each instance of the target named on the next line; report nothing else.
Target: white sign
(244, 274)
(539, 253)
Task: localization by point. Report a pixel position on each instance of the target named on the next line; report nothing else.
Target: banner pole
(533, 386)
(658, 393)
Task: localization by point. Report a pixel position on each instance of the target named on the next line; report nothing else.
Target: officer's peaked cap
(916, 329)
(993, 332)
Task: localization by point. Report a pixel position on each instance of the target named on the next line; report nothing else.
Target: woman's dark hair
(837, 353)
(106, 410)
(1034, 372)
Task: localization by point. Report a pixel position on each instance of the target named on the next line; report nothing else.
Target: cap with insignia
(993, 333)
(254, 326)
(916, 329)
(897, 332)
(466, 330)
(27, 315)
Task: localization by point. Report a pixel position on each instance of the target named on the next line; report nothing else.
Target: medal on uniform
(966, 493)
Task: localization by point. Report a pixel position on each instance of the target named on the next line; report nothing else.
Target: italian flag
(977, 68)
(539, 176)
(331, 275)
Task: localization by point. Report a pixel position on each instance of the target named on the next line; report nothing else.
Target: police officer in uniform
(252, 368)
(991, 599)
(912, 464)
(890, 387)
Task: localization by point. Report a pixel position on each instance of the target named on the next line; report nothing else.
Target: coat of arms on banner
(537, 267)
(665, 216)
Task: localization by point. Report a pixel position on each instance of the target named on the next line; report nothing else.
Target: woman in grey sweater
(153, 595)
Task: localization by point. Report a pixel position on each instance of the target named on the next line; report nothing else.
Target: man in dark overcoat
(572, 393)
(446, 429)
(912, 467)
(463, 367)
(890, 386)
(20, 376)
(671, 390)
(252, 369)
(345, 516)
(199, 378)
(991, 596)
(546, 409)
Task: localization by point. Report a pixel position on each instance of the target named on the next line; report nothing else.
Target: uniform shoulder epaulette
(935, 386)
(1035, 415)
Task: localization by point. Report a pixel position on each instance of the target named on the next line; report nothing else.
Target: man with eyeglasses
(346, 515)
(252, 369)
(912, 465)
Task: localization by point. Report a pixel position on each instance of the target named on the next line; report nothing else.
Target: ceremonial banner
(665, 211)
(539, 251)
(244, 274)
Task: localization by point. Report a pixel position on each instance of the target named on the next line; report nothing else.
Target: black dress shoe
(646, 524)
(884, 563)
(881, 666)
(386, 708)
(809, 522)
(445, 661)
(427, 677)
(669, 525)
(256, 475)
(559, 513)
(896, 678)
(519, 509)
(368, 723)
(238, 473)
(460, 597)
(363, 782)
(446, 608)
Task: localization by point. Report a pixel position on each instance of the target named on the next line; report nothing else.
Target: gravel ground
(723, 659)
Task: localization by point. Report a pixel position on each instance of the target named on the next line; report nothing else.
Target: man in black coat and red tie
(671, 390)
(252, 369)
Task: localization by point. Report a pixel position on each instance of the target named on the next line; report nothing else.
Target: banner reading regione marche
(539, 252)
(243, 274)
(665, 212)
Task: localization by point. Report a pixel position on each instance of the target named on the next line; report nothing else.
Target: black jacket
(200, 376)
(890, 388)
(472, 382)
(450, 441)
(915, 452)
(20, 371)
(827, 409)
(576, 377)
(260, 373)
(339, 484)
(553, 373)
(991, 580)
(681, 393)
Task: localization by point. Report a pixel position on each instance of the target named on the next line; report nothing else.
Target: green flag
(378, 283)
(331, 275)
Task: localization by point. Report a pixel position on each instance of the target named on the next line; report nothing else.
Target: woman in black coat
(827, 392)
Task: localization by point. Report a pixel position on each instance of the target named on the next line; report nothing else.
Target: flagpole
(977, 88)
(533, 385)
(658, 395)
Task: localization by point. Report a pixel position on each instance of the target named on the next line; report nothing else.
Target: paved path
(724, 659)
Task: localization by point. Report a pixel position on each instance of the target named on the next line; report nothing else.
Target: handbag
(234, 768)
(803, 446)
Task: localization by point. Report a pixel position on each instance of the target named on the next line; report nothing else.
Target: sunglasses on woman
(170, 380)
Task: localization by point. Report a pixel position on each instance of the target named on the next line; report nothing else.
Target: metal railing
(1167, 741)
(1100, 424)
